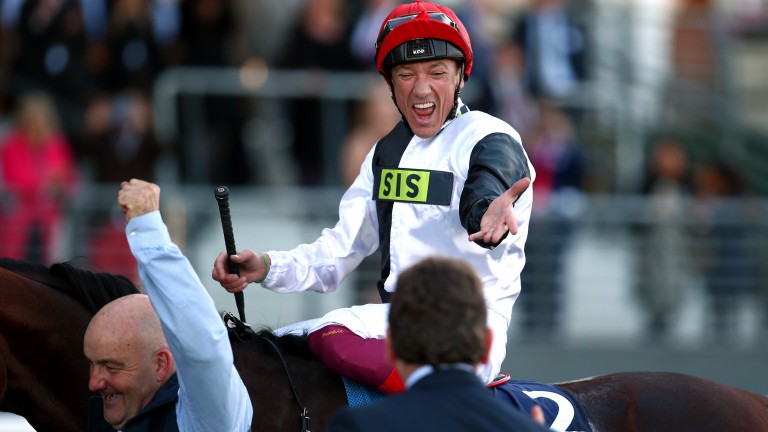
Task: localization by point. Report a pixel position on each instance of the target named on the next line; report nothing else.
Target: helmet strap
(402, 115)
(457, 93)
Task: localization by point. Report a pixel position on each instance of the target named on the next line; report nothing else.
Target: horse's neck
(42, 330)
(266, 377)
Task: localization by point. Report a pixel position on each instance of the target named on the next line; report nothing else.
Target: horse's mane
(25, 267)
(289, 344)
(93, 290)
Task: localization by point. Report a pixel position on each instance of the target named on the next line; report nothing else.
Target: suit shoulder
(369, 418)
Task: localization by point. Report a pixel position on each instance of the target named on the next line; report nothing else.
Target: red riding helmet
(422, 31)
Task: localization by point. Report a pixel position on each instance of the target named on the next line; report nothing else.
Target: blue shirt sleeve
(212, 396)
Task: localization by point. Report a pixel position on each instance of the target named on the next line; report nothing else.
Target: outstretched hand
(500, 216)
(252, 268)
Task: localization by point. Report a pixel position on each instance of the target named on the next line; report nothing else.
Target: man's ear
(488, 343)
(164, 364)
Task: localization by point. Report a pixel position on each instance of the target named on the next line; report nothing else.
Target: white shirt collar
(425, 370)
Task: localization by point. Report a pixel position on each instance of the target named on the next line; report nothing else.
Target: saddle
(500, 379)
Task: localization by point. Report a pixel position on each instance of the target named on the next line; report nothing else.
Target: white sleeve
(320, 266)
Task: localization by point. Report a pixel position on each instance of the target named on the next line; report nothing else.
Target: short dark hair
(438, 313)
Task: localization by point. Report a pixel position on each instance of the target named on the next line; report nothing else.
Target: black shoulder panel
(388, 153)
(496, 163)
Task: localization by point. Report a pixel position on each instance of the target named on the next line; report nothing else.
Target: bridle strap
(240, 329)
(244, 334)
(304, 413)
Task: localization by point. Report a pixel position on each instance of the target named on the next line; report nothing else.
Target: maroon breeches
(363, 360)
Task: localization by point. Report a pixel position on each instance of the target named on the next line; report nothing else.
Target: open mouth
(424, 110)
(110, 398)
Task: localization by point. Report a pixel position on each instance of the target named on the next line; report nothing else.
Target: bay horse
(44, 312)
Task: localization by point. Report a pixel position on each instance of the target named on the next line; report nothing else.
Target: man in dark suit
(555, 50)
(437, 336)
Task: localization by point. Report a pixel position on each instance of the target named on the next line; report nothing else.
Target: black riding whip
(222, 198)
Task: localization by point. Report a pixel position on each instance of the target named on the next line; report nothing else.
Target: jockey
(445, 181)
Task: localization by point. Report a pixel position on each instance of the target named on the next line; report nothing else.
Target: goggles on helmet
(395, 22)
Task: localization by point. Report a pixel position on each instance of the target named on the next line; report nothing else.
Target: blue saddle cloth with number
(561, 411)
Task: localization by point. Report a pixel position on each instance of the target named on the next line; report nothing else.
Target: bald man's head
(128, 320)
(129, 356)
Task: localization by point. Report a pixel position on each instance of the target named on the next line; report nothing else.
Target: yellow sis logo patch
(414, 186)
(404, 185)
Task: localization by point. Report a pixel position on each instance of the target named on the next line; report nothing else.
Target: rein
(244, 334)
(304, 413)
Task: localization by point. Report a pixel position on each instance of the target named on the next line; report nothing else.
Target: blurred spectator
(94, 18)
(106, 246)
(166, 20)
(694, 44)
(512, 100)
(118, 144)
(9, 18)
(366, 29)
(556, 154)
(554, 48)
(6, 118)
(9, 12)
(118, 141)
(476, 16)
(376, 116)
(135, 56)
(48, 47)
(728, 253)
(39, 174)
(207, 37)
(130, 41)
(45, 48)
(661, 236)
(319, 42)
(207, 29)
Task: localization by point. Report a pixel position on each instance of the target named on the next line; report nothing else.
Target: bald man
(162, 362)
(130, 362)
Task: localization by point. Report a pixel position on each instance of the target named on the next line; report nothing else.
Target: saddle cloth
(561, 411)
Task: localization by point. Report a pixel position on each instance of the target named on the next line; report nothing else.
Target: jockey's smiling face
(424, 92)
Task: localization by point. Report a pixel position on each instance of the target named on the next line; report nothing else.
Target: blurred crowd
(76, 83)
(98, 62)
(93, 65)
